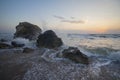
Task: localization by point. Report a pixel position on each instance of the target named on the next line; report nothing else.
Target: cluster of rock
(48, 39)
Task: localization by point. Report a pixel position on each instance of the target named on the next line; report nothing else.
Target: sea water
(103, 48)
(90, 44)
(94, 41)
(94, 44)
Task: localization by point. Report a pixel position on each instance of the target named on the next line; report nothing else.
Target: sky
(82, 16)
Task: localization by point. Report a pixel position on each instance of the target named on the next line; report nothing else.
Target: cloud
(58, 17)
(73, 21)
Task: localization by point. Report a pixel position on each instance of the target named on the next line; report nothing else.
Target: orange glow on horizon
(85, 27)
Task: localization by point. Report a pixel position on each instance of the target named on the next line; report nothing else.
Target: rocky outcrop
(27, 30)
(49, 40)
(5, 46)
(75, 55)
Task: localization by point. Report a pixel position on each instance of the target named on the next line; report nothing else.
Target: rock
(75, 55)
(3, 40)
(49, 40)
(17, 44)
(5, 46)
(27, 50)
(27, 30)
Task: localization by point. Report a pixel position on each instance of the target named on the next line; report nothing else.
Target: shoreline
(16, 65)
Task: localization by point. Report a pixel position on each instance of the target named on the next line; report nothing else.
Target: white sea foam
(31, 44)
(21, 40)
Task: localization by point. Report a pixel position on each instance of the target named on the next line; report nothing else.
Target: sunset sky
(84, 16)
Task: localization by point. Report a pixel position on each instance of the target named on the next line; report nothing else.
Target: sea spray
(30, 44)
(51, 55)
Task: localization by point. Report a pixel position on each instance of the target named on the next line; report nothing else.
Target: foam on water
(55, 69)
(52, 55)
(31, 44)
(21, 40)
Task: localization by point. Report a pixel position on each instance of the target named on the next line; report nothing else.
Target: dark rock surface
(5, 46)
(27, 50)
(75, 55)
(27, 30)
(17, 44)
(49, 40)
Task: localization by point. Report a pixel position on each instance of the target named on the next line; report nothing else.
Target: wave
(99, 50)
(27, 42)
(115, 56)
(92, 36)
(106, 35)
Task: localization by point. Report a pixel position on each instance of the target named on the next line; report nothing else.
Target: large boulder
(5, 46)
(49, 40)
(27, 30)
(75, 55)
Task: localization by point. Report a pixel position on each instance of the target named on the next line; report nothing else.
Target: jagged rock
(27, 50)
(17, 44)
(5, 46)
(27, 30)
(75, 55)
(49, 40)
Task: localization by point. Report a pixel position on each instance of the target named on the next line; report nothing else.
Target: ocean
(103, 49)
(90, 44)
(94, 44)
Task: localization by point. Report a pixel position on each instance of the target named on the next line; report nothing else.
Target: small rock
(5, 46)
(75, 55)
(27, 50)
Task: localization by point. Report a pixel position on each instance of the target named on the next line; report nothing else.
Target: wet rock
(75, 55)
(49, 40)
(27, 30)
(27, 50)
(3, 40)
(5, 46)
(17, 44)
